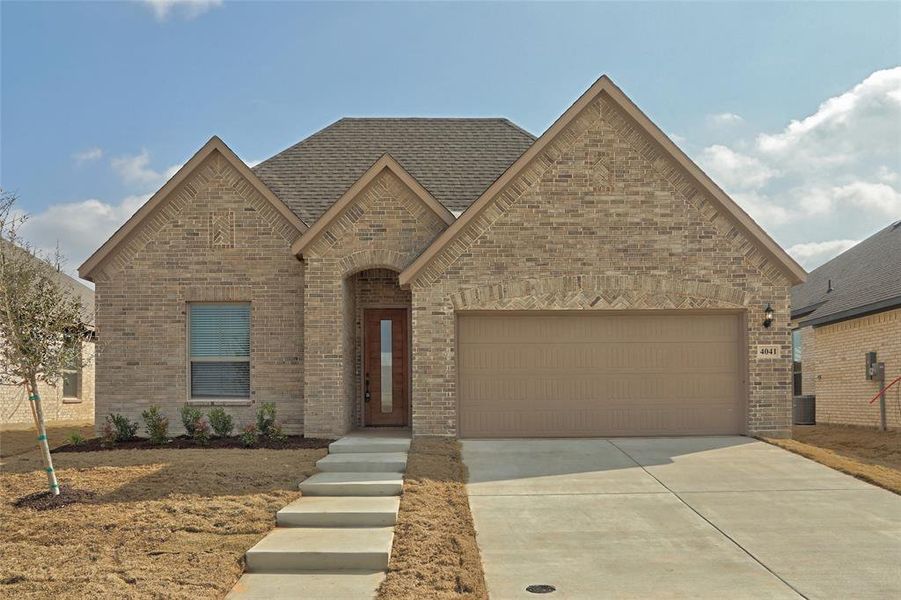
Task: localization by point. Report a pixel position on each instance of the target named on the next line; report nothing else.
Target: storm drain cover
(541, 589)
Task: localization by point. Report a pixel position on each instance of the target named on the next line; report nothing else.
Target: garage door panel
(532, 375)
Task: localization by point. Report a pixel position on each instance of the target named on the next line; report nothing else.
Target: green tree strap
(54, 485)
(48, 469)
(33, 397)
(42, 437)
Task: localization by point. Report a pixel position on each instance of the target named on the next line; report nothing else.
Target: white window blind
(220, 351)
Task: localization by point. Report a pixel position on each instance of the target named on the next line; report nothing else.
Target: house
(72, 398)
(456, 276)
(847, 308)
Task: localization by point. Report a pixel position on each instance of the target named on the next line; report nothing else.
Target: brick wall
(386, 226)
(603, 219)
(842, 388)
(214, 239)
(16, 409)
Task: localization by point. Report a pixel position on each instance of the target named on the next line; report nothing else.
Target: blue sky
(102, 101)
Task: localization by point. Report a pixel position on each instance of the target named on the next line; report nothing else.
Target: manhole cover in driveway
(541, 589)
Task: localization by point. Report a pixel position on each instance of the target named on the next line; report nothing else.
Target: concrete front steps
(335, 541)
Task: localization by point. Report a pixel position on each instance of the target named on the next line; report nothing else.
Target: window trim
(77, 371)
(189, 359)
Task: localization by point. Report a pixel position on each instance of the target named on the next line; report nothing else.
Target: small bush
(250, 436)
(156, 425)
(222, 422)
(107, 434)
(275, 434)
(265, 418)
(76, 439)
(190, 415)
(201, 429)
(124, 429)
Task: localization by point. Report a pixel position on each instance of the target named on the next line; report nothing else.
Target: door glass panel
(387, 384)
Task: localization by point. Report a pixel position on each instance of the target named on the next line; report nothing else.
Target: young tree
(42, 322)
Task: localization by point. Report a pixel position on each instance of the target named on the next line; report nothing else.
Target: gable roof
(865, 278)
(84, 293)
(213, 145)
(335, 210)
(454, 159)
(792, 269)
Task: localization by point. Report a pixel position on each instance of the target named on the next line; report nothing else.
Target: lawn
(435, 554)
(864, 452)
(22, 437)
(161, 523)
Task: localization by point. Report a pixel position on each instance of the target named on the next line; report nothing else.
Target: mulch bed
(293, 442)
(47, 501)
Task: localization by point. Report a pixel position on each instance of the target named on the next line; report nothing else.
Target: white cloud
(735, 170)
(187, 9)
(812, 254)
(833, 174)
(87, 155)
(78, 227)
(725, 118)
(135, 170)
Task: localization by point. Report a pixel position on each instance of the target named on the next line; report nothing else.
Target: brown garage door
(599, 374)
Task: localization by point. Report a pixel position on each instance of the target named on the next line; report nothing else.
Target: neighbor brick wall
(214, 239)
(16, 409)
(602, 219)
(386, 226)
(842, 388)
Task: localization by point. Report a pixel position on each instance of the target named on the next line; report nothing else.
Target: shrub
(265, 418)
(275, 433)
(190, 415)
(76, 439)
(156, 425)
(249, 436)
(124, 429)
(222, 422)
(107, 434)
(201, 429)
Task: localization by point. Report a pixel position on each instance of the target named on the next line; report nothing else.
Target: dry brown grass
(435, 554)
(871, 455)
(162, 523)
(22, 438)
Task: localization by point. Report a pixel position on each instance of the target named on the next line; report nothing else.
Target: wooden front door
(386, 367)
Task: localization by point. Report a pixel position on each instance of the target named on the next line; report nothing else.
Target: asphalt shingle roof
(864, 278)
(454, 159)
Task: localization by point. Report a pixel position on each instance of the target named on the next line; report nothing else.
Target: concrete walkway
(726, 517)
(335, 541)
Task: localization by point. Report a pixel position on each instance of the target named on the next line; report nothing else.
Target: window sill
(220, 401)
(71, 400)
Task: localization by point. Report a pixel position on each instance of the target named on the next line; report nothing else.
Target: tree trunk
(38, 413)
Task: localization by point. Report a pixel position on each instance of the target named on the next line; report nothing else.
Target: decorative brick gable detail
(213, 239)
(385, 227)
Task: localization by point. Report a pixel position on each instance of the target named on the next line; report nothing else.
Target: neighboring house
(595, 282)
(72, 398)
(848, 307)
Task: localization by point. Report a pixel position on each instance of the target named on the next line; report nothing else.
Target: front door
(386, 372)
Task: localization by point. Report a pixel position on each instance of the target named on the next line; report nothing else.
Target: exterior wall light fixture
(767, 315)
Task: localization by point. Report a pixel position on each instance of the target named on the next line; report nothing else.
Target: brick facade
(836, 363)
(214, 239)
(16, 410)
(602, 219)
(385, 227)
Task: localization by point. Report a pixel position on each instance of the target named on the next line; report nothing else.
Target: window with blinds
(220, 351)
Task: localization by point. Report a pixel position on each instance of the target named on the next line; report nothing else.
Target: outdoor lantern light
(767, 315)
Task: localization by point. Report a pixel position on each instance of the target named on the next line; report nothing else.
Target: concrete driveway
(723, 517)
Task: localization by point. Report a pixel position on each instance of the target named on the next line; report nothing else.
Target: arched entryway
(381, 323)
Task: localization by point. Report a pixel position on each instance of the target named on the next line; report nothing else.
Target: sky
(793, 108)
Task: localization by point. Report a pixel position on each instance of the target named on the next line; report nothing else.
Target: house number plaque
(769, 351)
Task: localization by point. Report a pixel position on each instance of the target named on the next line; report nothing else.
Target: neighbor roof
(454, 159)
(84, 293)
(865, 279)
